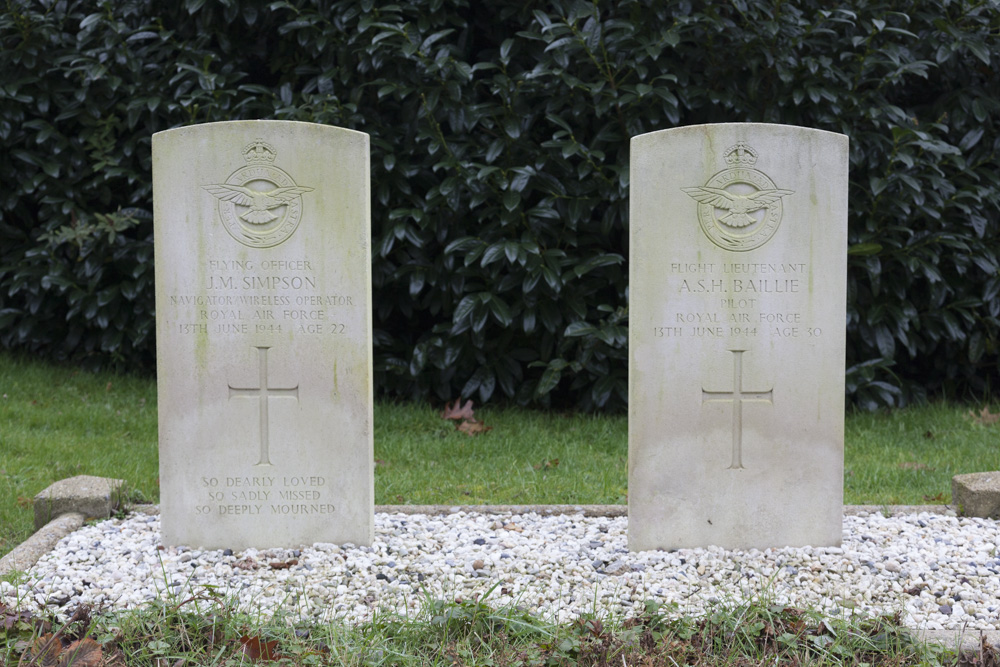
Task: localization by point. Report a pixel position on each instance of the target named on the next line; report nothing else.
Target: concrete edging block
(93, 497)
(26, 554)
(977, 494)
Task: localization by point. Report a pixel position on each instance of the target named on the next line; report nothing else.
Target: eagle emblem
(740, 207)
(259, 204)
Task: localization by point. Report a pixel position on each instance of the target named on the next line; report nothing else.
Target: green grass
(908, 457)
(58, 421)
(527, 457)
(206, 631)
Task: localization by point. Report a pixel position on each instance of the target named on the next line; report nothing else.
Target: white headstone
(737, 306)
(263, 334)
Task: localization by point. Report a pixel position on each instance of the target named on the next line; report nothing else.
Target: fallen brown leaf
(247, 564)
(985, 417)
(82, 653)
(283, 564)
(545, 465)
(48, 650)
(937, 498)
(45, 650)
(9, 617)
(24, 502)
(457, 411)
(473, 427)
(254, 648)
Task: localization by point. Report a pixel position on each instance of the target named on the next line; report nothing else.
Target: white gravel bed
(941, 572)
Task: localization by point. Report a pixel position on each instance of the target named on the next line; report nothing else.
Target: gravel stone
(560, 566)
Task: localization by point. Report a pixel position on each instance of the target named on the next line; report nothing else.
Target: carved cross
(737, 396)
(263, 392)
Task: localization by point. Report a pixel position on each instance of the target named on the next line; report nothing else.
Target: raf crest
(259, 204)
(740, 207)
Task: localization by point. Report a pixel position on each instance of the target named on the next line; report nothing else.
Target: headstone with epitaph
(737, 309)
(263, 326)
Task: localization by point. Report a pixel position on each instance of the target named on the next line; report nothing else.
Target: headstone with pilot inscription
(263, 334)
(737, 309)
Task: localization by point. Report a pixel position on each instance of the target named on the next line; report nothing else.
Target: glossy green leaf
(500, 140)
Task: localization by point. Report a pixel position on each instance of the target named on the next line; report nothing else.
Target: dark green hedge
(500, 168)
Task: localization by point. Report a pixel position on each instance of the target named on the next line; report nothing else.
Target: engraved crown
(740, 155)
(259, 152)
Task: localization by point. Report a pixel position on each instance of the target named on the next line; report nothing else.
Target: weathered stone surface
(263, 304)
(41, 542)
(977, 494)
(736, 337)
(93, 497)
